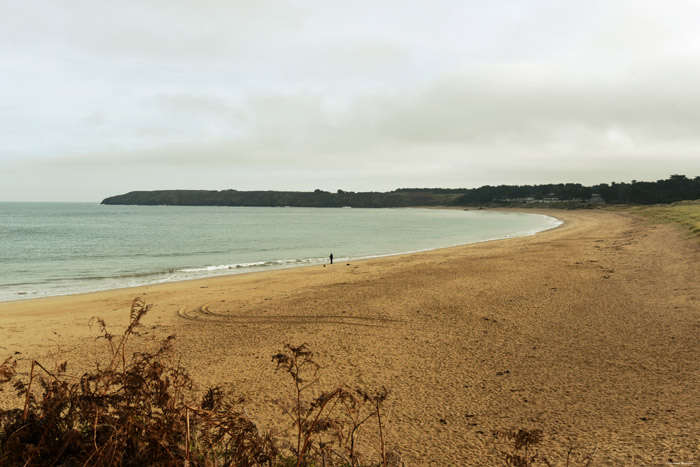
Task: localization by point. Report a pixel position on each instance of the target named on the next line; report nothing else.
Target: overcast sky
(99, 98)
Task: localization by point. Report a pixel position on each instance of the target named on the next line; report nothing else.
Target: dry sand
(590, 331)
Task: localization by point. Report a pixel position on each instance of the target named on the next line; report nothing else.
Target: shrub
(136, 410)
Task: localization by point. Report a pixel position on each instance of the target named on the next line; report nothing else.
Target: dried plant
(327, 425)
(138, 409)
(522, 443)
(133, 411)
(8, 369)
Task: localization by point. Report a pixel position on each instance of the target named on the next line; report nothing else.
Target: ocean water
(64, 248)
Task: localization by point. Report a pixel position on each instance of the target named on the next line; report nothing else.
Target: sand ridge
(590, 331)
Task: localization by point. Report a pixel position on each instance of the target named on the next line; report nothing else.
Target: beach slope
(589, 332)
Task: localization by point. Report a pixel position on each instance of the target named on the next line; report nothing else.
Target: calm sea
(63, 248)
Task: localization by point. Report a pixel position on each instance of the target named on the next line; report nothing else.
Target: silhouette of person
(331, 258)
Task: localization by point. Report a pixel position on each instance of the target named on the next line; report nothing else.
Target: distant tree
(675, 188)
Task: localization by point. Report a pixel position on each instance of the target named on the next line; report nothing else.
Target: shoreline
(587, 331)
(263, 268)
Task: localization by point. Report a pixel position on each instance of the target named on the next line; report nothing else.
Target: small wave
(255, 264)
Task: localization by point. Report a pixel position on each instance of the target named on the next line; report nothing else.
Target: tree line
(675, 188)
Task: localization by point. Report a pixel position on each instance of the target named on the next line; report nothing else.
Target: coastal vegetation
(137, 407)
(315, 199)
(685, 214)
(675, 188)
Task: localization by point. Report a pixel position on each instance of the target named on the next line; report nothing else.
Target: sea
(49, 249)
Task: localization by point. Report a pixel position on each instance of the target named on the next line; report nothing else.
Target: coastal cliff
(316, 198)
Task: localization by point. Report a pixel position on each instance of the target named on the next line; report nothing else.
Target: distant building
(517, 200)
(551, 199)
(596, 198)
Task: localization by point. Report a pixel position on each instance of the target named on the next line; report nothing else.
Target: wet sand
(590, 332)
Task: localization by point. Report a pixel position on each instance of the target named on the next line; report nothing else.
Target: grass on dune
(684, 213)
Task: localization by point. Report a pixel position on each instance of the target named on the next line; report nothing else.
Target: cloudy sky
(103, 97)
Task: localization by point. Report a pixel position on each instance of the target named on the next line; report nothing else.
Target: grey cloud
(472, 116)
(374, 94)
(492, 108)
(156, 29)
(189, 104)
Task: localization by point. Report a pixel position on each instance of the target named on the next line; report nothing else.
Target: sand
(589, 332)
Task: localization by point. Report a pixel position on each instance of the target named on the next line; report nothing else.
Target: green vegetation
(685, 214)
(676, 188)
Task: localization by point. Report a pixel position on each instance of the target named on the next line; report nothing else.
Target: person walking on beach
(331, 258)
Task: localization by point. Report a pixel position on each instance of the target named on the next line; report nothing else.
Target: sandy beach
(589, 332)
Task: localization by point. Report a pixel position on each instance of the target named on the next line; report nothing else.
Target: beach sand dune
(589, 332)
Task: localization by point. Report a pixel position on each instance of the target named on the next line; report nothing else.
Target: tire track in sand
(208, 313)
